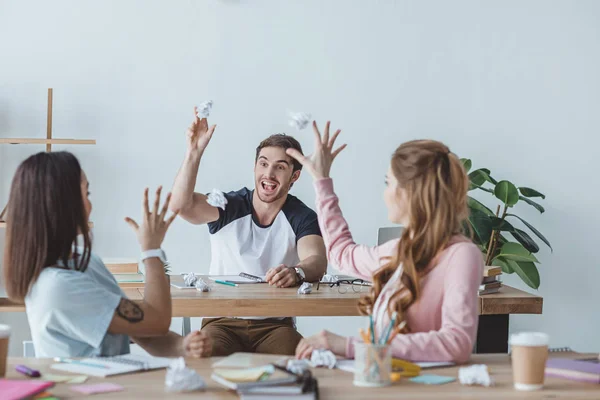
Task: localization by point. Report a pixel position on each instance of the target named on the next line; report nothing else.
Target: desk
(261, 300)
(333, 384)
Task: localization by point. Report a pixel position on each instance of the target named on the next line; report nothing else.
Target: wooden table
(261, 300)
(333, 384)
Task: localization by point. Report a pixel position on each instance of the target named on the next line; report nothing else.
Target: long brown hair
(436, 186)
(45, 215)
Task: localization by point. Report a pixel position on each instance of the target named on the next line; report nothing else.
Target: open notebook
(115, 365)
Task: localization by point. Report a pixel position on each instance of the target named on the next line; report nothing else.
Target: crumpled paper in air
(204, 109)
(216, 198)
(299, 120)
(477, 374)
(180, 378)
(305, 288)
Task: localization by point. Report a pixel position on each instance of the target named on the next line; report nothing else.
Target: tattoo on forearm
(130, 311)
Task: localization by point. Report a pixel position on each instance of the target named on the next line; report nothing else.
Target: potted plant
(514, 253)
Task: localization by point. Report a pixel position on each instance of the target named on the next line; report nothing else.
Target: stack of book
(125, 272)
(246, 374)
(491, 281)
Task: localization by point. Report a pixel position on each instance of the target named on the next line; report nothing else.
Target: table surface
(333, 384)
(261, 300)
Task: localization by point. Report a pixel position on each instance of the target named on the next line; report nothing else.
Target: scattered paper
(323, 358)
(204, 109)
(297, 366)
(180, 378)
(305, 288)
(432, 379)
(202, 286)
(64, 378)
(477, 374)
(299, 120)
(329, 278)
(98, 388)
(216, 198)
(190, 279)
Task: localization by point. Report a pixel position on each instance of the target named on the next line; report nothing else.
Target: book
(488, 291)
(114, 365)
(490, 279)
(15, 389)
(121, 265)
(247, 360)
(130, 280)
(244, 379)
(491, 285)
(491, 271)
(578, 370)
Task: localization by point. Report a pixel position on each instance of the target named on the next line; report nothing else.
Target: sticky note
(65, 378)
(98, 388)
(429, 379)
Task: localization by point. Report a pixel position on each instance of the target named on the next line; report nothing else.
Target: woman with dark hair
(430, 276)
(74, 305)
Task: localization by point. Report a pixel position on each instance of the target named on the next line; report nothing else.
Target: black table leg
(492, 336)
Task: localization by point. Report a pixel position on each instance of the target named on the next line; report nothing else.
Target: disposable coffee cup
(4, 336)
(529, 353)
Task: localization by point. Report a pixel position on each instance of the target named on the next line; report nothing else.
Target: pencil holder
(372, 364)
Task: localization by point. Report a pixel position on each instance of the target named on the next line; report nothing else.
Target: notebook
(115, 365)
(13, 389)
(577, 370)
(235, 279)
(247, 360)
(243, 379)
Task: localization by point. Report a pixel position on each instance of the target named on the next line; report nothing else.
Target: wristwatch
(300, 275)
(154, 253)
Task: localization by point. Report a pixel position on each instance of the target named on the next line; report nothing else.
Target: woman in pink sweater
(430, 276)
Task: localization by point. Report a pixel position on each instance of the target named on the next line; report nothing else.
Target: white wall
(513, 85)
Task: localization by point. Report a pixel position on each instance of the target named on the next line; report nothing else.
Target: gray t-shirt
(69, 312)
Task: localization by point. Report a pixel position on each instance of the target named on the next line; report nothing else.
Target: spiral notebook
(115, 365)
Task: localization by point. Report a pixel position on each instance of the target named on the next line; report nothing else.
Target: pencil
(364, 335)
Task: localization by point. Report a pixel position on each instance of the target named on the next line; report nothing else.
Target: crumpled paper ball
(299, 120)
(180, 378)
(329, 278)
(297, 366)
(204, 109)
(202, 286)
(216, 198)
(477, 374)
(305, 288)
(323, 358)
(190, 279)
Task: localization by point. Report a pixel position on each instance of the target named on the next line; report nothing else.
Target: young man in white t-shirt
(265, 231)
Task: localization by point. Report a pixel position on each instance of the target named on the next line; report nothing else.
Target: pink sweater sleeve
(347, 256)
(454, 340)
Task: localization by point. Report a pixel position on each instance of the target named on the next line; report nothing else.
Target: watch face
(300, 272)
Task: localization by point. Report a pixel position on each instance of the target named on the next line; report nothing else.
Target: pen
(372, 328)
(384, 339)
(226, 283)
(32, 373)
(71, 361)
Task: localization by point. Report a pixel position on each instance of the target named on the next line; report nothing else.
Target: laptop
(386, 234)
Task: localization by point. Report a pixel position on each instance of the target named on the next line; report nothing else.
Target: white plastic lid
(4, 331)
(534, 339)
